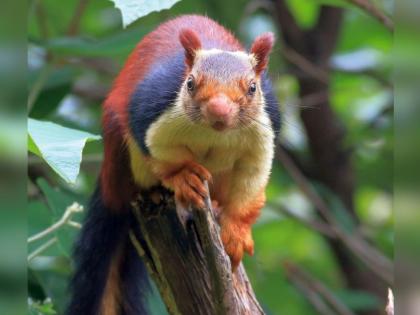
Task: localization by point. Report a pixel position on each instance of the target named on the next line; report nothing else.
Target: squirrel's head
(222, 89)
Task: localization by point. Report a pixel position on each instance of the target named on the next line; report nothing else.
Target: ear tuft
(261, 49)
(191, 43)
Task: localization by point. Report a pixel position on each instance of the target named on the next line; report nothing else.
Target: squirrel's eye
(190, 84)
(252, 88)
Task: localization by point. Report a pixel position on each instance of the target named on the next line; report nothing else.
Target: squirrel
(190, 105)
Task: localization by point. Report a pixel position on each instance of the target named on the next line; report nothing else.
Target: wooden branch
(185, 257)
(326, 136)
(379, 264)
(314, 224)
(372, 10)
(73, 27)
(326, 31)
(305, 65)
(323, 299)
(292, 34)
(390, 306)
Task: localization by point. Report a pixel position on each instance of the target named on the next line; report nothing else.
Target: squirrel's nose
(219, 107)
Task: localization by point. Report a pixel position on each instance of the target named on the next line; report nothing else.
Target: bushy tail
(109, 277)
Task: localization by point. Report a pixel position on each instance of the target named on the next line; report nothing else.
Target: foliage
(131, 10)
(73, 56)
(60, 147)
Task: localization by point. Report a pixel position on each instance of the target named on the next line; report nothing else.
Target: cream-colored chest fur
(243, 156)
(175, 138)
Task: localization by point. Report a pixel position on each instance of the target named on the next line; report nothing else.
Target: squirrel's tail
(109, 276)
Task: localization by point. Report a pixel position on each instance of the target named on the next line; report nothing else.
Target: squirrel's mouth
(219, 126)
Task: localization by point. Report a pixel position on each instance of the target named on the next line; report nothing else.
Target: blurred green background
(324, 242)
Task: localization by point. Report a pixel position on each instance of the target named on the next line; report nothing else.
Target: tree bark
(185, 257)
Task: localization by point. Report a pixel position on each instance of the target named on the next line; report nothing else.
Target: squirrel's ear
(261, 48)
(191, 44)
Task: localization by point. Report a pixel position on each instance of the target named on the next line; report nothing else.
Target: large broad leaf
(132, 10)
(59, 146)
(118, 44)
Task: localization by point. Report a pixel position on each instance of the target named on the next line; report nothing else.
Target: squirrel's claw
(188, 185)
(236, 239)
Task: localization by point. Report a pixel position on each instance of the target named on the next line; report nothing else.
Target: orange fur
(261, 49)
(239, 165)
(187, 182)
(236, 94)
(236, 222)
(191, 44)
(112, 295)
(206, 88)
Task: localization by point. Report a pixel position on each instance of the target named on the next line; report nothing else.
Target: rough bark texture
(185, 257)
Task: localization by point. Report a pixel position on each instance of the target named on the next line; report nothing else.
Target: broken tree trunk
(184, 256)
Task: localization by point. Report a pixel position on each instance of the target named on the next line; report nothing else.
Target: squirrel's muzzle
(219, 111)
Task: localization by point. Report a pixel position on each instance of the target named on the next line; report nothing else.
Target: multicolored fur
(110, 279)
(189, 105)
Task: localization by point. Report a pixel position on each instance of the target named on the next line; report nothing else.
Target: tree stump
(185, 257)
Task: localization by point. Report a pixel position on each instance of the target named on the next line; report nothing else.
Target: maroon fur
(261, 48)
(191, 44)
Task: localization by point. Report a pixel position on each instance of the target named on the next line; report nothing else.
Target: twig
(390, 306)
(304, 64)
(326, 135)
(77, 16)
(92, 92)
(65, 219)
(312, 224)
(311, 284)
(371, 73)
(42, 248)
(372, 10)
(317, 302)
(41, 19)
(312, 100)
(371, 257)
(293, 35)
(304, 186)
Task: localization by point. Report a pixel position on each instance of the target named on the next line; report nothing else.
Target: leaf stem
(65, 219)
(42, 248)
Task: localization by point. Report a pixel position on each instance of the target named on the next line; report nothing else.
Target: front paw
(188, 185)
(237, 239)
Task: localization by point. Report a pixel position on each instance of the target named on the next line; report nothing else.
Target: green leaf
(41, 308)
(53, 274)
(305, 12)
(59, 146)
(132, 10)
(120, 43)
